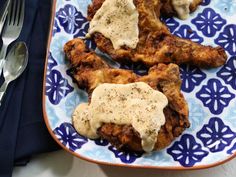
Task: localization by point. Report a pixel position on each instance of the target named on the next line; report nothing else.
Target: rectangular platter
(211, 139)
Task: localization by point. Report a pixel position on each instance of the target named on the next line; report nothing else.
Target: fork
(3, 15)
(12, 28)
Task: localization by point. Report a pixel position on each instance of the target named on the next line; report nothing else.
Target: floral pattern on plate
(187, 33)
(216, 135)
(67, 135)
(57, 87)
(232, 150)
(228, 74)
(171, 23)
(205, 2)
(51, 63)
(227, 39)
(70, 18)
(187, 151)
(215, 96)
(210, 93)
(101, 142)
(209, 22)
(191, 77)
(125, 157)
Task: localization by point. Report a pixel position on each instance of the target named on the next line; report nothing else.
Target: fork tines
(3, 14)
(16, 12)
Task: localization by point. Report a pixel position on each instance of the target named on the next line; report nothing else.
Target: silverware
(3, 14)
(15, 64)
(12, 27)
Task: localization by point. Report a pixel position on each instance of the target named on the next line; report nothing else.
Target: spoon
(14, 65)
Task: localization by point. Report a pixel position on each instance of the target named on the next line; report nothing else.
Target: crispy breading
(89, 70)
(156, 43)
(168, 10)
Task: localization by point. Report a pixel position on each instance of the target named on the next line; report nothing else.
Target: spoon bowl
(14, 65)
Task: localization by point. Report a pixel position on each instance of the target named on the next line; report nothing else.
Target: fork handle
(3, 89)
(3, 52)
(3, 56)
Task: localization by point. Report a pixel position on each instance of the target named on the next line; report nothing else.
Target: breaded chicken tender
(89, 70)
(156, 44)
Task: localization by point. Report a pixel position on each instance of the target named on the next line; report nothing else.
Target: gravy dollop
(135, 104)
(117, 20)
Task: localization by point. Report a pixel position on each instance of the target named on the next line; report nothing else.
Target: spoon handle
(3, 89)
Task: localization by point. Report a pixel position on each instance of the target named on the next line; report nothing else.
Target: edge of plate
(197, 167)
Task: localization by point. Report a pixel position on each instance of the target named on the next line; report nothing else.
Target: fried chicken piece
(89, 71)
(80, 56)
(156, 43)
(167, 9)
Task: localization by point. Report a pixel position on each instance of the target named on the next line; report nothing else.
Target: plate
(211, 139)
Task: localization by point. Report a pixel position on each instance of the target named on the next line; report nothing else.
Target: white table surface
(61, 163)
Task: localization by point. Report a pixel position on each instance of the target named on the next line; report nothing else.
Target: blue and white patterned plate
(210, 141)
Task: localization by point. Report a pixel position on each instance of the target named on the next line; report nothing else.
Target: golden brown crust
(165, 78)
(167, 10)
(156, 44)
(79, 55)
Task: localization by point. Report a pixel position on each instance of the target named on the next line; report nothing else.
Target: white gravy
(182, 8)
(135, 104)
(118, 21)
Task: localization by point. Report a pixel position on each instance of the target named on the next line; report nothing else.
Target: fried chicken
(168, 10)
(89, 70)
(156, 43)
